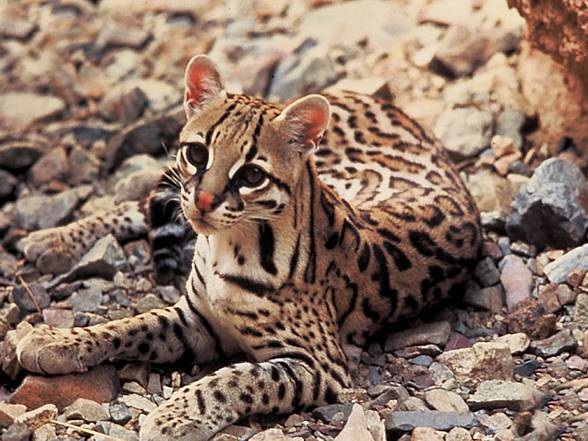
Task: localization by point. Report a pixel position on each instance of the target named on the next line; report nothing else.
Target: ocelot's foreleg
(55, 250)
(159, 336)
(296, 367)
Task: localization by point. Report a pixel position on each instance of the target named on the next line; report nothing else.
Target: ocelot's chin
(202, 227)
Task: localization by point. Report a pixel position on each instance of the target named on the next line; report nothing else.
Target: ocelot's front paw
(50, 250)
(49, 350)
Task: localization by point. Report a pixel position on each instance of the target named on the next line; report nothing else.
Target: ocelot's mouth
(201, 226)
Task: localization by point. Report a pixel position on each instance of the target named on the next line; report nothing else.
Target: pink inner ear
(316, 119)
(198, 82)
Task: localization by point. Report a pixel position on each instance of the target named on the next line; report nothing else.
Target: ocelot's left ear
(304, 122)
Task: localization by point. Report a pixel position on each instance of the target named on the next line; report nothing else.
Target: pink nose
(204, 200)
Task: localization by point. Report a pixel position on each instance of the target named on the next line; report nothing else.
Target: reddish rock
(531, 318)
(457, 341)
(517, 280)
(100, 384)
(548, 298)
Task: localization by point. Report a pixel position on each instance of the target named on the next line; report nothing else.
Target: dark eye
(251, 176)
(197, 154)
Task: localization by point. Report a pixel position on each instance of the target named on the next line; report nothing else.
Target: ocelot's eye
(197, 154)
(251, 176)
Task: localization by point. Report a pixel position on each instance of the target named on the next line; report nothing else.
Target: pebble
(326, 413)
(59, 318)
(169, 293)
(148, 302)
(406, 421)
(576, 259)
(87, 410)
(86, 299)
(355, 428)
(103, 260)
(34, 419)
(548, 211)
(517, 343)
(31, 297)
(7, 184)
(517, 280)
(99, 384)
(84, 166)
(426, 434)
(458, 434)
(581, 311)
(445, 401)
(483, 361)
(120, 413)
(138, 402)
(17, 432)
(52, 165)
(556, 344)
(495, 394)
(487, 299)
(465, 132)
(116, 431)
(18, 110)
(486, 272)
(430, 333)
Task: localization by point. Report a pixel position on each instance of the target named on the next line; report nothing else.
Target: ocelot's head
(240, 158)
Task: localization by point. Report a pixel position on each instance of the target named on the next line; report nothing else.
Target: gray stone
(496, 394)
(549, 209)
(116, 431)
(436, 333)
(22, 297)
(87, 410)
(17, 432)
(487, 299)
(52, 165)
(406, 421)
(517, 343)
(465, 132)
(8, 264)
(149, 302)
(138, 402)
(576, 259)
(86, 300)
(124, 106)
(557, 343)
(120, 413)
(169, 293)
(310, 71)
(84, 166)
(103, 260)
(460, 52)
(509, 124)
(7, 184)
(40, 212)
(145, 136)
(486, 272)
(137, 185)
(326, 413)
(16, 155)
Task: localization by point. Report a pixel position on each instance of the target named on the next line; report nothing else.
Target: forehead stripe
(220, 120)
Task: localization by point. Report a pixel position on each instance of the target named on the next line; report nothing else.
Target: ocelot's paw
(50, 250)
(49, 350)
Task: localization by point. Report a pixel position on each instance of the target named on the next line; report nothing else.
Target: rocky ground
(89, 98)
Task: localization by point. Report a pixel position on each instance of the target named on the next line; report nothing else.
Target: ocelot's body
(297, 254)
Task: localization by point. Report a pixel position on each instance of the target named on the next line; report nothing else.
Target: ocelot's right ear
(203, 84)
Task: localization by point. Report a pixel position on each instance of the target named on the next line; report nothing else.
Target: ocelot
(316, 224)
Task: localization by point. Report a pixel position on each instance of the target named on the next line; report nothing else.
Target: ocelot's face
(240, 159)
(233, 172)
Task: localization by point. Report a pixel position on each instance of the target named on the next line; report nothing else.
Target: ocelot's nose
(206, 201)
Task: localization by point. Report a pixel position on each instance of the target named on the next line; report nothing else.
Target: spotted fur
(327, 248)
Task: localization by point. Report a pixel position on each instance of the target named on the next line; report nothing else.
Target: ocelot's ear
(304, 121)
(203, 84)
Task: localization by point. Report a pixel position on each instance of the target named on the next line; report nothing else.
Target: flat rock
(326, 413)
(483, 361)
(550, 210)
(100, 384)
(406, 421)
(458, 434)
(426, 434)
(465, 132)
(30, 297)
(496, 394)
(52, 165)
(517, 343)
(356, 427)
(486, 272)
(116, 431)
(581, 311)
(87, 410)
(516, 279)
(576, 259)
(7, 184)
(18, 110)
(430, 333)
(8, 413)
(445, 401)
(40, 211)
(487, 299)
(557, 343)
(103, 260)
(35, 418)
